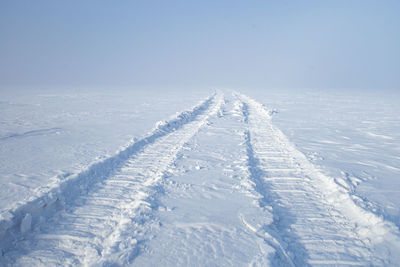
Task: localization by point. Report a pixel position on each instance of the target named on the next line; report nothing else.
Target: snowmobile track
(228, 163)
(104, 199)
(313, 219)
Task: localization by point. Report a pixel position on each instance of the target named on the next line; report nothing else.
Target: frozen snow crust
(218, 184)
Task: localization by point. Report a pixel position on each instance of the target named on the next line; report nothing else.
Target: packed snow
(225, 179)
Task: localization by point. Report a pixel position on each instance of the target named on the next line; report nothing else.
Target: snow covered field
(227, 181)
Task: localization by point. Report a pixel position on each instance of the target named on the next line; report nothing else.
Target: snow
(278, 179)
(352, 136)
(46, 138)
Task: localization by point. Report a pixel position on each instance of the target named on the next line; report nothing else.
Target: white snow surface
(229, 181)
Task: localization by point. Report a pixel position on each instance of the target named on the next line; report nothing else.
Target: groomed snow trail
(219, 186)
(108, 222)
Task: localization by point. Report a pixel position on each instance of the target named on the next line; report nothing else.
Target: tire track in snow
(205, 194)
(103, 212)
(315, 221)
(268, 233)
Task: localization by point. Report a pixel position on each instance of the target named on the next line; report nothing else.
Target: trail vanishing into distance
(217, 185)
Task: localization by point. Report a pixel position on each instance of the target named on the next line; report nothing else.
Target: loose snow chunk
(26, 223)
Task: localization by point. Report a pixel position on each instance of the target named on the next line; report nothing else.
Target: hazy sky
(263, 44)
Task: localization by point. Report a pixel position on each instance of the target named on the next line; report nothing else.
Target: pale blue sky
(200, 44)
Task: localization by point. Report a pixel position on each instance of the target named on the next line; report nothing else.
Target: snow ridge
(16, 225)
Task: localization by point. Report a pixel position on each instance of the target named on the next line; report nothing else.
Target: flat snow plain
(281, 179)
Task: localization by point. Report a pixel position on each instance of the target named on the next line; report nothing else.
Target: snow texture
(216, 185)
